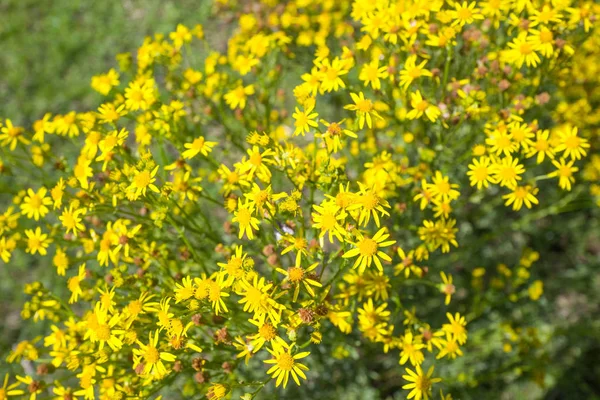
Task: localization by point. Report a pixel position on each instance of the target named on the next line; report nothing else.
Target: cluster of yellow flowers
(196, 221)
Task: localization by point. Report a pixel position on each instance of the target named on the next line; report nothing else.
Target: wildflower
(367, 250)
(521, 195)
(151, 357)
(420, 383)
(564, 172)
(143, 180)
(303, 120)
(330, 75)
(442, 188)
(71, 219)
(37, 242)
(412, 71)
(507, 171)
(60, 261)
(411, 350)
(237, 97)
(257, 300)
(572, 145)
(35, 204)
(447, 287)
(285, 364)
(541, 147)
(327, 218)
(199, 145)
(11, 390)
(297, 276)
(480, 172)
(334, 134)
(369, 204)
(371, 73)
(365, 110)
(109, 113)
(74, 284)
(11, 135)
(267, 332)
(215, 296)
(456, 327)
(140, 94)
(449, 347)
(105, 82)
(406, 264)
(421, 106)
(243, 216)
(465, 13)
(522, 50)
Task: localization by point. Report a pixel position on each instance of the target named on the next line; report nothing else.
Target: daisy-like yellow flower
(522, 51)
(371, 74)
(364, 108)
(140, 94)
(151, 357)
(564, 172)
(465, 13)
(247, 222)
(11, 135)
(456, 327)
(144, 180)
(327, 218)
(369, 203)
(412, 71)
(257, 299)
(420, 383)
(35, 204)
(508, 171)
(447, 287)
(480, 172)
(521, 195)
(71, 219)
(303, 120)
(105, 82)
(421, 106)
(334, 134)
(237, 97)
(101, 330)
(109, 113)
(368, 251)
(441, 187)
(74, 284)
(298, 276)
(267, 332)
(285, 364)
(7, 391)
(449, 347)
(541, 146)
(37, 242)
(215, 296)
(572, 145)
(411, 349)
(330, 74)
(198, 145)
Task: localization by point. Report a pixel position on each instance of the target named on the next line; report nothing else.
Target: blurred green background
(51, 49)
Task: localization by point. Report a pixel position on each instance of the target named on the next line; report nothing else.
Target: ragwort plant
(224, 214)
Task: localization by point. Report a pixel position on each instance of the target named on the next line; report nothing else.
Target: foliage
(370, 198)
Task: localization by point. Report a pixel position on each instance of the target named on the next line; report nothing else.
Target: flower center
(152, 355)
(285, 362)
(267, 332)
(295, 274)
(367, 247)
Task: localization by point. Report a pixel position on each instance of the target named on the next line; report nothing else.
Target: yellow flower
(367, 250)
(327, 218)
(37, 242)
(199, 145)
(412, 71)
(521, 195)
(456, 327)
(522, 50)
(303, 120)
(151, 357)
(421, 106)
(105, 82)
(74, 284)
(364, 108)
(480, 172)
(285, 364)
(143, 180)
(411, 350)
(420, 383)
(237, 97)
(297, 276)
(247, 222)
(507, 171)
(564, 172)
(35, 204)
(572, 145)
(71, 219)
(11, 135)
(11, 390)
(371, 73)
